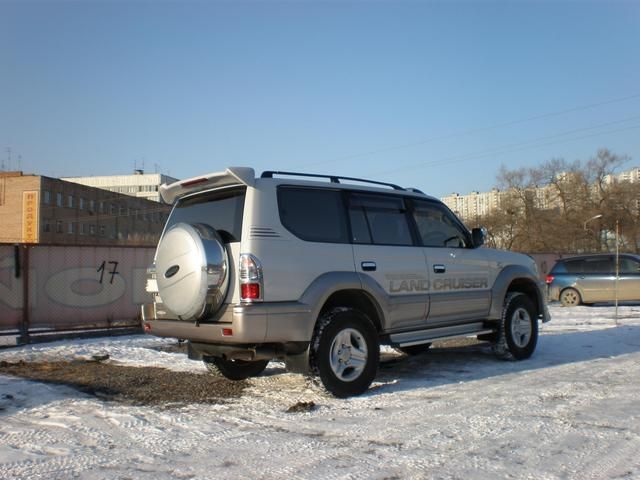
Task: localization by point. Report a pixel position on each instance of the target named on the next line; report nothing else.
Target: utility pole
(617, 267)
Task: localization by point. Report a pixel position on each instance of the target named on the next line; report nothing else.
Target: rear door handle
(438, 268)
(369, 266)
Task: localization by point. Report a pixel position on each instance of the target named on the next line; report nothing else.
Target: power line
(517, 147)
(479, 129)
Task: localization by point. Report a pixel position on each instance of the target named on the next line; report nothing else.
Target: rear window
(220, 209)
(315, 215)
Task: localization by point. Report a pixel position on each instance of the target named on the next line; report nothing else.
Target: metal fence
(53, 288)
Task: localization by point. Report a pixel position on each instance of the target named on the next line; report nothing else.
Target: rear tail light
(251, 281)
(549, 279)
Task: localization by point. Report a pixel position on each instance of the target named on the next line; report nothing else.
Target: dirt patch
(137, 385)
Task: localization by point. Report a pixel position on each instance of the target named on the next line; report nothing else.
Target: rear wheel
(234, 369)
(570, 298)
(345, 352)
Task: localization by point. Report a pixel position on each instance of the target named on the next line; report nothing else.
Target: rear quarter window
(559, 267)
(312, 214)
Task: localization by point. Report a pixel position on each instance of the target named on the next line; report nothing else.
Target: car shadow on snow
(443, 366)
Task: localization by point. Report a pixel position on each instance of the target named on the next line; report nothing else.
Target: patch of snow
(571, 411)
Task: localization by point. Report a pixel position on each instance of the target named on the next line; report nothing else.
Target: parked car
(592, 278)
(320, 270)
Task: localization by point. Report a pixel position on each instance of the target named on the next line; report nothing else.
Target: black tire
(415, 349)
(518, 331)
(234, 369)
(345, 352)
(570, 297)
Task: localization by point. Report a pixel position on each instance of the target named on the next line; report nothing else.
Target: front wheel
(345, 352)
(518, 332)
(234, 369)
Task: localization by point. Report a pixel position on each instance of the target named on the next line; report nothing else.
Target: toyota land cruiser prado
(320, 270)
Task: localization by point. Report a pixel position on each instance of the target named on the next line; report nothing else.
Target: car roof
(596, 255)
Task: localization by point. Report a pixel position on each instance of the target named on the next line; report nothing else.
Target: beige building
(631, 176)
(475, 204)
(37, 209)
(140, 184)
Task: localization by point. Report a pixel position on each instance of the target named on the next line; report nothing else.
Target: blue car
(592, 278)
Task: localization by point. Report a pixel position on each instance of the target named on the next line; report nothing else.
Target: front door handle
(369, 266)
(438, 268)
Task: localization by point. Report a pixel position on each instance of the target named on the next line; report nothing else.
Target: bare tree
(548, 208)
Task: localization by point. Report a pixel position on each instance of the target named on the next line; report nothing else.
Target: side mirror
(478, 235)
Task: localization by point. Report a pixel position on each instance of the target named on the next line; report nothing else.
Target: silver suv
(320, 270)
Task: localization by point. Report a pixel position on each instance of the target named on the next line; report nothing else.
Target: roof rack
(332, 178)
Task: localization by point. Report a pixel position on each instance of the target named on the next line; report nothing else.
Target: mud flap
(297, 362)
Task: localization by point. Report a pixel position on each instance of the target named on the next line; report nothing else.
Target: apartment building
(39, 209)
(475, 204)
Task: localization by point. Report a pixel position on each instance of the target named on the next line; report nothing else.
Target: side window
(599, 265)
(379, 219)
(438, 227)
(312, 214)
(575, 266)
(628, 265)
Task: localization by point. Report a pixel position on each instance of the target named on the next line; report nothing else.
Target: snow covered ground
(571, 411)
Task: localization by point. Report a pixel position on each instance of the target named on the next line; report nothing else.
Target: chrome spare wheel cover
(348, 354)
(521, 328)
(192, 270)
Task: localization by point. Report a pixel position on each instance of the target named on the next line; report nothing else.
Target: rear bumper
(553, 293)
(238, 324)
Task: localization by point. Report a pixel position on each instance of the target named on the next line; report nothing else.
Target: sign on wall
(30, 216)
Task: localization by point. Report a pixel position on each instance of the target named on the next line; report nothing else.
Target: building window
(47, 227)
(123, 211)
(83, 229)
(92, 230)
(113, 210)
(102, 230)
(47, 197)
(59, 226)
(70, 227)
(59, 199)
(92, 205)
(81, 204)
(101, 207)
(70, 201)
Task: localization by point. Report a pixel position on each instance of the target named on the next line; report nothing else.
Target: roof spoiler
(231, 176)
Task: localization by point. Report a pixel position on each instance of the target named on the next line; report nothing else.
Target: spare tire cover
(192, 268)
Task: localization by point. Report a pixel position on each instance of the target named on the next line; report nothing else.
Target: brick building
(38, 209)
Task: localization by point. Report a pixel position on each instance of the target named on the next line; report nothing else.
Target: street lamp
(584, 226)
(595, 217)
